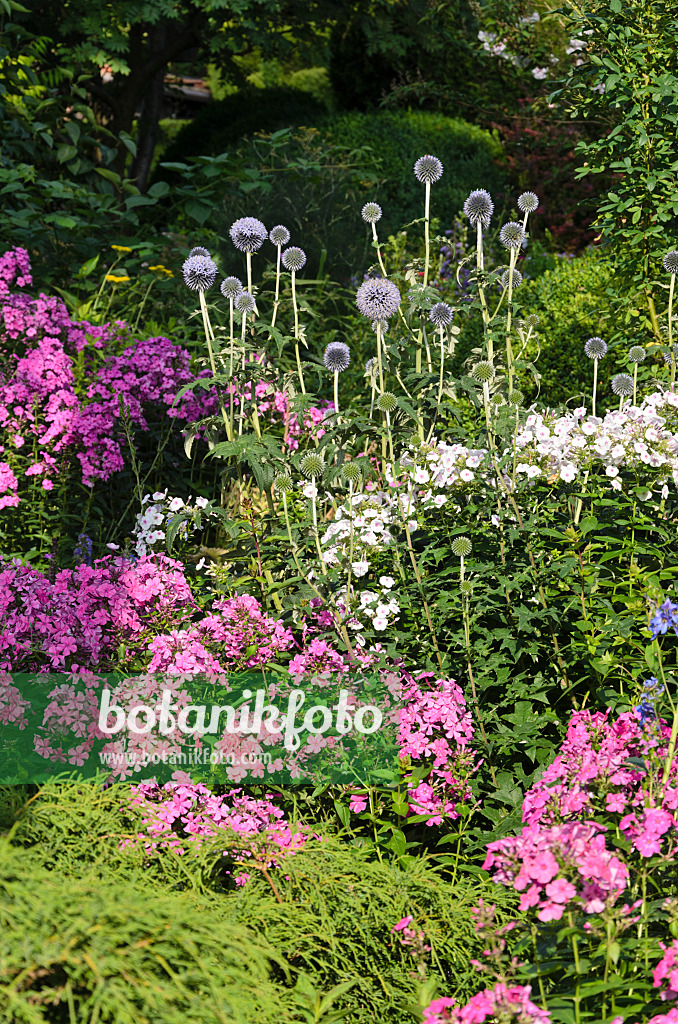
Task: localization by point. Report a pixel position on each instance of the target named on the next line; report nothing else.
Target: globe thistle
(466, 588)
(622, 385)
(283, 484)
(199, 273)
(517, 278)
(497, 400)
(528, 202)
(337, 356)
(380, 325)
(371, 367)
(245, 303)
(441, 314)
(279, 235)
(670, 262)
(516, 398)
(293, 259)
(479, 207)
(248, 234)
(637, 354)
(371, 212)
(428, 169)
(668, 359)
(387, 402)
(532, 320)
(461, 547)
(377, 298)
(351, 472)
(312, 465)
(231, 287)
(483, 372)
(199, 251)
(595, 348)
(512, 235)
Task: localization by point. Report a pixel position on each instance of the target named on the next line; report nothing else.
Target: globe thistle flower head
(670, 262)
(337, 356)
(622, 384)
(381, 325)
(512, 235)
(248, 234)
(198, 250)
(483, 372)
(371, 212)
(466, 588)
(517, 278)
(377, 298)
(293, 259)
(528, 202)
(462, 547)
(668, 358)
(282, 483)
(245, 303)
(231, 287)
(199, 273)
(387, 402)
(428, 169)
(441, 314)
(516, 398)
(532, 320)
(351, 472)
(279, 235)
(637, 354)
(479, 207)
(595, 348)
(312, 465)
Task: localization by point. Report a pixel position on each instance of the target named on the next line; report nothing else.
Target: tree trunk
(151, 109)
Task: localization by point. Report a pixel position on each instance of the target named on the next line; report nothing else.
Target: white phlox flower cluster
(151, 524)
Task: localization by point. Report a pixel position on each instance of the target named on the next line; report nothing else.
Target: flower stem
(296, 332)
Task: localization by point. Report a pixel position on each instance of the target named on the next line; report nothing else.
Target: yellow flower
(115, 278)
(121, 248)
(162, 269)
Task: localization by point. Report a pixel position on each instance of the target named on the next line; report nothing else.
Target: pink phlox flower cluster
(318, 659)
(13, 706)
(666, 971)
(71, 714)
(9, 486)
(436, 726)
(15, 267)
(499, 1003)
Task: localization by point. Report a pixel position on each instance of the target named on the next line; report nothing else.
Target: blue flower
(666, 616)
(645, 711)
(652, 687)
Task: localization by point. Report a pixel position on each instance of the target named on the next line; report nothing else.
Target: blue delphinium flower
(645, 711)
(83, 549)
(664, 618)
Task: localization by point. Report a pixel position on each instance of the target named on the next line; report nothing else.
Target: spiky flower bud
(428, 169)
(532, 320)
(483, 372)
(371, 212)
(637, 354)
(466, 588)
(283, 484)
(668, 358)
(245, 303)
(516, 398)
(293, 259)
(381, 325)
(479, 207)
(199, 272)
(377, 298)
(528, 202)
(231, 287)
(198, 250)
(441, 314)
(337, 356)
(248, 234)
(387, 402)
(312, 465)
(670, 262)
(351, 472)
(622, 384)
(595, 348)
(461, 547)
(512, 235)
(279, 235)
(517, 278)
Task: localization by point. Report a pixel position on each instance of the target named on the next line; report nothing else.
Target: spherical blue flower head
(666, 617)
(293, 259)
(279, 235)
(371, 212)
(441, 314)
(479, 208)
(337, 356)
(248, 234)
(670, 262)
(517, 278)
(428, 169)
(511, 235)
(595, 348)
(377, 298)
(199, 273)
(245, 303)
(199, 251)
(528, 202)
(622, 385)
(231, 287)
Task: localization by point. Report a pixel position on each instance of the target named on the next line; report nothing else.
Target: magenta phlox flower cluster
(9, 486)
(666, 971)
(15, 268)
(235, 634)
(436, 726)
(500, 1003)
(78, 619)
(181, 817)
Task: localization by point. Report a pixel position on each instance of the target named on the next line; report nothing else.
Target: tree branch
(104, 95)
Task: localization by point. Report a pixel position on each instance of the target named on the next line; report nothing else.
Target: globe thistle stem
(379, 256)
(296, 331)
(635, 381)
(276, 300)
(381, 371)
(480, 265)
(427, 228)
(509, 310)
(673, 354)
(209, 337)
(231, 360)
(595, 385)
(442, 363)
(336, 392)
(248, 256)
